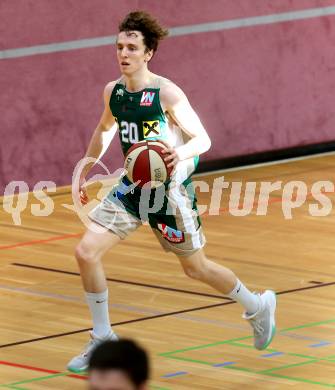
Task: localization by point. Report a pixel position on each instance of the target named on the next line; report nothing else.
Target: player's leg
(96, 242)
(197, 266)
(110, 223)
(259, 309)
(181, 233)
(89, 253)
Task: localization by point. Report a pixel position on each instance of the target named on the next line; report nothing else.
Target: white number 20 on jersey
(129, 132)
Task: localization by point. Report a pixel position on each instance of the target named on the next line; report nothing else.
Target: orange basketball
(144, 161)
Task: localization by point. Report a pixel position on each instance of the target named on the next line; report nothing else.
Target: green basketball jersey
(139, 115)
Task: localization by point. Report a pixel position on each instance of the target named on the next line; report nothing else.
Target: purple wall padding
(256, 89)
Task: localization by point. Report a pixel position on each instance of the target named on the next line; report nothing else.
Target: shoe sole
(273, 330)
(77, 371)
(114, 337)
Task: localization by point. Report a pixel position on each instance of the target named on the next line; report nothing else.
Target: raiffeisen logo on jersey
(151, 129)
(147, 98)
(171, 234)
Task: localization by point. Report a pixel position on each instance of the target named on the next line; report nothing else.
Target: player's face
(112, 380)
(131, 52)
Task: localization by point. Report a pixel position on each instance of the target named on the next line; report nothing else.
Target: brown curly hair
(142, 21)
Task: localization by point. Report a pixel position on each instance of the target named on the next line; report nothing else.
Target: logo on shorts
(170, 234)
(151, 129)
(147, 98)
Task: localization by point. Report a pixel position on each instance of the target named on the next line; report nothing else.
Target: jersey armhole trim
(159, 103)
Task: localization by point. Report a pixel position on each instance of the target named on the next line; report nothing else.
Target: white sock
(251, 302)
(98, 304)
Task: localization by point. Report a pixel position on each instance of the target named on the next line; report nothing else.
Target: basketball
(144, 162)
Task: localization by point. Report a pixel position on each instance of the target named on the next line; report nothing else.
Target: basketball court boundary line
(202, 346)
(57, 374)
(205, 214)
(268, 372)
(167, 288)
(139, 311)
(37, 379)
(125, 282)
(39, 369)
(223, 170)
(169, 355)
(33, 242)
(302, 380)
(118, 323)
(160, 316)
(13, 385)
(261, 373)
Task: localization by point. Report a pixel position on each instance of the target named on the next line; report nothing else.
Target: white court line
(265, 164)
(174, 31)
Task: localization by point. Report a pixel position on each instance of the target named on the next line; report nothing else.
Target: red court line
(31, 368)
(27, 243)
(221, 210)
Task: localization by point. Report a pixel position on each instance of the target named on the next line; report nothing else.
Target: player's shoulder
(167, 86)
(109, 88)
(170, 92)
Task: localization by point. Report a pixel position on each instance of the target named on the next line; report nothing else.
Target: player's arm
(103, 133)
(100, 140)
(177, 105)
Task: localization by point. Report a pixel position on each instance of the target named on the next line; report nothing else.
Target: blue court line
(269, 355)
(178, 373)
(142, 310)
(322, 344)
(223, 364)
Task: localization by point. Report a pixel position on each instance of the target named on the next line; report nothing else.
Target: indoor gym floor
(196, 338)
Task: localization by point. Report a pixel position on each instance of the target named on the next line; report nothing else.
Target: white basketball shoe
(263, 321)
(79, 363)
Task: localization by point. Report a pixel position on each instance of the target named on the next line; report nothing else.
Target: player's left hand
(172, 157)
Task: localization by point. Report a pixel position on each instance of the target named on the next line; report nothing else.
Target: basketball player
(147, 106)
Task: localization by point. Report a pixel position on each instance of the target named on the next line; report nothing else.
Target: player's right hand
(82, 192)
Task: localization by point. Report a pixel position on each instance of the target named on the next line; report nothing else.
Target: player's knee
(85, 254)
(195, 266)
(194, 271)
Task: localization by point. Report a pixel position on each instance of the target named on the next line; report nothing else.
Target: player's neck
(138, 80)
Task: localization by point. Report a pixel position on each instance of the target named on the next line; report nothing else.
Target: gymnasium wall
(257, 88)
